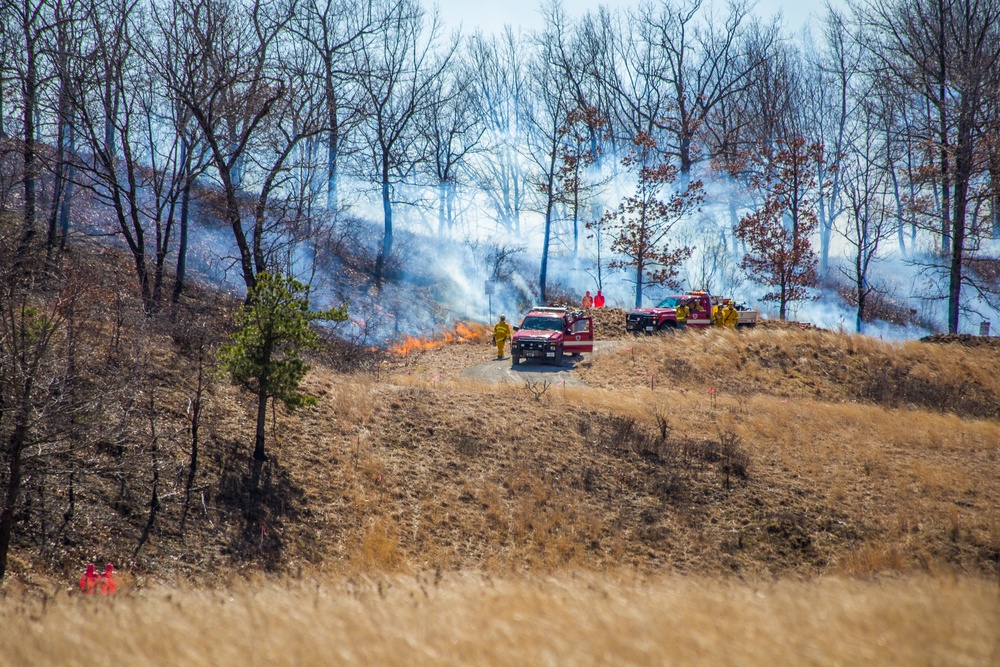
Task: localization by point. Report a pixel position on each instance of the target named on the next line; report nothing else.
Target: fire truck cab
(549, 333)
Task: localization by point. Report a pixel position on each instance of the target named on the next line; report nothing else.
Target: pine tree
(263, 355)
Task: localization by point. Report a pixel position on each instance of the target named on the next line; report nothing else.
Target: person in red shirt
(598, 300)
(108, 584)
(88, 582)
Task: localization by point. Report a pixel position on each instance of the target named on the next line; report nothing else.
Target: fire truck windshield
(669, 302)
(535, 323)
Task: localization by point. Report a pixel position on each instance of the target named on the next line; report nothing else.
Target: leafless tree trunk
(397, 70)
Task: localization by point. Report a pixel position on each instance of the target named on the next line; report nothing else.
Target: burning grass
(578, 619)
(464, 332)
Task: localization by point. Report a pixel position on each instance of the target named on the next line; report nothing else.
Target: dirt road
(501, 370)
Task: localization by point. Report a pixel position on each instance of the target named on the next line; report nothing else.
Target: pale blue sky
(489, 15)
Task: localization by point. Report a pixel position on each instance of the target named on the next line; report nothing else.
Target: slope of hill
(832, 497)
(817, 452)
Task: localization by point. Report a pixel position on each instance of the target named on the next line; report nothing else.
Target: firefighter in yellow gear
(716, 315)
(501, 332)
(730, 316)
(682, 314)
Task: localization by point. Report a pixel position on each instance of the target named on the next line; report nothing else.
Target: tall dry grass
(471, 620)
(430, 469)
(821, 365)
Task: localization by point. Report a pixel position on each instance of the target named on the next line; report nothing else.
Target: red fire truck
(548, 333)
(663, 317)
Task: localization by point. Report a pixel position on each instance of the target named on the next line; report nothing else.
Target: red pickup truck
(550, 333)
(663, 317)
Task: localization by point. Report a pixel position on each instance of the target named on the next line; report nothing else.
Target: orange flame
(464, 332)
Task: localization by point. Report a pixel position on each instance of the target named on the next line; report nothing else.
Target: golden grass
(428, 468)
(811, 365)
(573, 619)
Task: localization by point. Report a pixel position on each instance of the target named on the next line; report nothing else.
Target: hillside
(818, 452)
(807, 486)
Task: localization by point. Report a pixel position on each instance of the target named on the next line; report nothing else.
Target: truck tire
(515, 360)
(558, 358)
(667, 327)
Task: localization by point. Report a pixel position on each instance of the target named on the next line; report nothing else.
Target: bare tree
(705, 65)
(549, 107)
(106, 104)
(451, 131)
(869, 220)
(627, 66)
(945, 52)
(220, 61)
(334, 29)
(828, 110)
(27, 24)
(397, 69)
(499, 91)
(27, 349)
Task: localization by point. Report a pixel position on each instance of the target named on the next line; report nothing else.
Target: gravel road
(501, 370)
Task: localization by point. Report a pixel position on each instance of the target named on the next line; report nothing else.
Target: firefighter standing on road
(501, 332)
(730, 316)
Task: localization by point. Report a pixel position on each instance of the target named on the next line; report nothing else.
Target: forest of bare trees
(288, 121)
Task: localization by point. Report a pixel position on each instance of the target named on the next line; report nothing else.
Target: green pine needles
(263, 355)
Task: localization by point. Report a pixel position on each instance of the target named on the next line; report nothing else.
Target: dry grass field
(471, 619)
(425, 468)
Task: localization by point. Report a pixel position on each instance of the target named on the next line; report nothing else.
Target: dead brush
(536, 389)
(662, 425)
(733, 459)
(627, 435)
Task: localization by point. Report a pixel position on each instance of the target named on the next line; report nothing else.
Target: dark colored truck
(550, 333)
(663, 317)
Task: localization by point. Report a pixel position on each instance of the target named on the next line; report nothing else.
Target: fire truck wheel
(558, 358)
(667, 328)
(515, 360)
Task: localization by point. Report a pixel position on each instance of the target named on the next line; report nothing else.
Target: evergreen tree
(263, 355)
